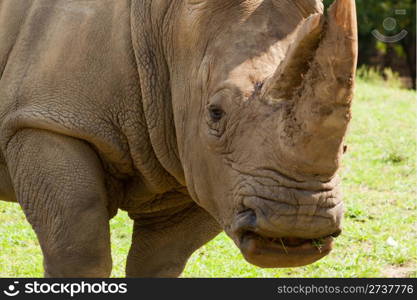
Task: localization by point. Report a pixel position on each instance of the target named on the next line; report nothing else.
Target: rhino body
(104, 105)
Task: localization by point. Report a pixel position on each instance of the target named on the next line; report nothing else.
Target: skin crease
(120, 113)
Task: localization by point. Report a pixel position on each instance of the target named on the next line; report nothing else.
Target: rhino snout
(295, 231)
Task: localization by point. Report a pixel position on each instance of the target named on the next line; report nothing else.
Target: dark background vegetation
(399, 56)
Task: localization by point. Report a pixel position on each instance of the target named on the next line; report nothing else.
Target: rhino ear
(290, 73)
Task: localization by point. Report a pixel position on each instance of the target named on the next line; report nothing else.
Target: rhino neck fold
(146, 20)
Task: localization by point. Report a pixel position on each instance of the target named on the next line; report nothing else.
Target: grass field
(380, 226)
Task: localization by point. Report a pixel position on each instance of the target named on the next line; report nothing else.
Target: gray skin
(194, 116)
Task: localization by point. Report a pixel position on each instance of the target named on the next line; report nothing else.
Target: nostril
(245, 221)
(336, 233)
(246, 210)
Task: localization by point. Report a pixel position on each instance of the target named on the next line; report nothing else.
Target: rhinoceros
(194, 116)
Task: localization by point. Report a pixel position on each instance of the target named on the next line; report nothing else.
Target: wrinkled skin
(194, 116)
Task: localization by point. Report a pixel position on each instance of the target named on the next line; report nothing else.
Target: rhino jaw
(279, 253)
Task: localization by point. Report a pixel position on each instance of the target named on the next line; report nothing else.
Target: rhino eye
(216, 113)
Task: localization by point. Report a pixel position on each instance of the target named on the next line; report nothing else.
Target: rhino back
(69, 67)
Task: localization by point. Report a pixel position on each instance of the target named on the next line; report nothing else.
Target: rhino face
(261, 99)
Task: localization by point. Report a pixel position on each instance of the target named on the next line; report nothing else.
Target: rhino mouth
(277, 226)
(272, 252)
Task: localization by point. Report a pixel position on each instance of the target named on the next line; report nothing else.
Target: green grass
(380, 226)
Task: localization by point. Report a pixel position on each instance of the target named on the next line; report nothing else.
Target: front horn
(317, 79)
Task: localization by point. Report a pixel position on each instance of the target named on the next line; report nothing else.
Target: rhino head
(261, 95)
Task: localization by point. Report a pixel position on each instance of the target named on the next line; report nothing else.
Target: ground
(380, 226)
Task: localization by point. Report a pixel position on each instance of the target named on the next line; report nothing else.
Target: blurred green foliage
(371, 16)
(378, 76)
